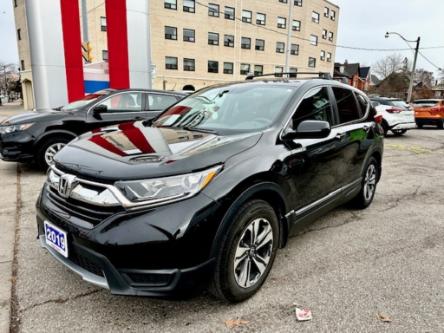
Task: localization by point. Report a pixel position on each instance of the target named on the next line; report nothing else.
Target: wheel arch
(52, 133)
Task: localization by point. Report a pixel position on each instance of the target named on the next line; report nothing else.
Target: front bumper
(16, 147)
(146, 253)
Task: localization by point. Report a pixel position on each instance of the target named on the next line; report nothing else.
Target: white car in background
(397, 115)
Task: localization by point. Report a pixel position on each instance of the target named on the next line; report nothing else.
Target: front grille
(81, 210)
(85, 263)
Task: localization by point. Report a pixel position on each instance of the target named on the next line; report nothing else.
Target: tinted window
(315, 106)
(362, 103)
(347, 107)
(160, 102)
(129, 102)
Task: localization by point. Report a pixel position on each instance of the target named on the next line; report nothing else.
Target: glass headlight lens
(167, 188)
(14, 128)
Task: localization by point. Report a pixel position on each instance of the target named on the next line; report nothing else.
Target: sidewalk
(10, 109)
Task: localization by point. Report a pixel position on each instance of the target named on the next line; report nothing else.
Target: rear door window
(124, 102)
(315, 106)
(159, 102)
(348, 109)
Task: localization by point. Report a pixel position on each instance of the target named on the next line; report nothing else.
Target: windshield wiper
(198, 129)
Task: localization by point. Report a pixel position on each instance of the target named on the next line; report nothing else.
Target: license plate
(56, 238)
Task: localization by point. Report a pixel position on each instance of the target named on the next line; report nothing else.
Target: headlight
(14, 128)
(167, 188)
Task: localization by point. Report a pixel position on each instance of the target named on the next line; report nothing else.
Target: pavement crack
(59, 300)
(354, 217)
(5, 261)
(14, 319)
(400, 199)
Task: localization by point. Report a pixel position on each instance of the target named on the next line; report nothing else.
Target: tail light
(378, 119)
(394, 110)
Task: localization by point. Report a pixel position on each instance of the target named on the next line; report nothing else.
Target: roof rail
(321, 75)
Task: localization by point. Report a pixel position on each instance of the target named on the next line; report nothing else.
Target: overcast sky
(362, 23)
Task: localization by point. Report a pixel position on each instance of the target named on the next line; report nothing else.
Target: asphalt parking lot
(347, 268)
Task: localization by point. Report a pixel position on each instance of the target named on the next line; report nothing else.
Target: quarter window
(315, 106)
(347, 107)
(363, 103)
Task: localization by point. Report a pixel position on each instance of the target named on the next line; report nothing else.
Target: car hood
(31, 117)
(135, 151)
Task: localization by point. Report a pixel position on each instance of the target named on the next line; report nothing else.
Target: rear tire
(370, 178)
(385, 127)
(247, 252)
(48, 148)
(399, 132)
(441, 124)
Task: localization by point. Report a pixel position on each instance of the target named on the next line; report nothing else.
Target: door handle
(340, 136)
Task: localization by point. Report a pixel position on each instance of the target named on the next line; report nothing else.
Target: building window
(314, 40)
(171, 62)
(298, 3)
(278, 70)
(326, 12)
(293, 72)
(246, 16)
(189, 35)
(333, 15)
(229, 13)
(260, 45)
(296, 26)
(213, 38)
(213, 66)
(324, 33)
(170, 33)
(229, 40)
(189, 6)
(244, 69)
(19, 34)
(315, 17)
(228, 68)
(213, 10)
(322, 57)
(311, 62)
(329, 55)
(189, 65)
(105, 55)
(170, 4)
(280, 47)
(283, 1)
(246, 43)
(294, 49)
(22, 65)
(260, 18)
(281, 22)
(330, 36)
(258, 70)
(102, 23)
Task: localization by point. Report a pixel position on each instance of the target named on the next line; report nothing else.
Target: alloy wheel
(253, 252)
(370, 182)
(51, 151)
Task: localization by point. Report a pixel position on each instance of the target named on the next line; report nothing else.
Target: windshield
(229, 108)
(82, 102)
(400, 104)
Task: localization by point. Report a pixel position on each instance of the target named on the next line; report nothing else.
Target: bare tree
(441, 76)
(424, 78)
(390, 64)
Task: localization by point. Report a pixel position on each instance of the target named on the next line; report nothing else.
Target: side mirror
(309, 129)
(98, 109)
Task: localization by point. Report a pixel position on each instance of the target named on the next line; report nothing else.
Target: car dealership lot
(347, 267)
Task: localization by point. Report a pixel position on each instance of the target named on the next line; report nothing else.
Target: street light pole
(412, 75)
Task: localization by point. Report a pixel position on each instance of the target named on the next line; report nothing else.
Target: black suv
(210, 189)
(37, 136)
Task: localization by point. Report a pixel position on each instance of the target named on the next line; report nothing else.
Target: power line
(331, 44)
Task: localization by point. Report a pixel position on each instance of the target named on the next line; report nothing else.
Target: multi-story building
(196, 43)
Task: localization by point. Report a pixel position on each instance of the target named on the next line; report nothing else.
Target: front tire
(369, 181)
(48, 148)
(247, 253)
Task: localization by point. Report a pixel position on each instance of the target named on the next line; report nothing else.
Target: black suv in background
(209, 190)
(39, 135)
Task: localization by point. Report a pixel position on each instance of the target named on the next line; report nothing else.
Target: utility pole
(412, 78)
(289, 29)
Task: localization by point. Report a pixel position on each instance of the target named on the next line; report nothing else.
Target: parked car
(39, 135)
(397, 115)
(429, 112)
(211, 189)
